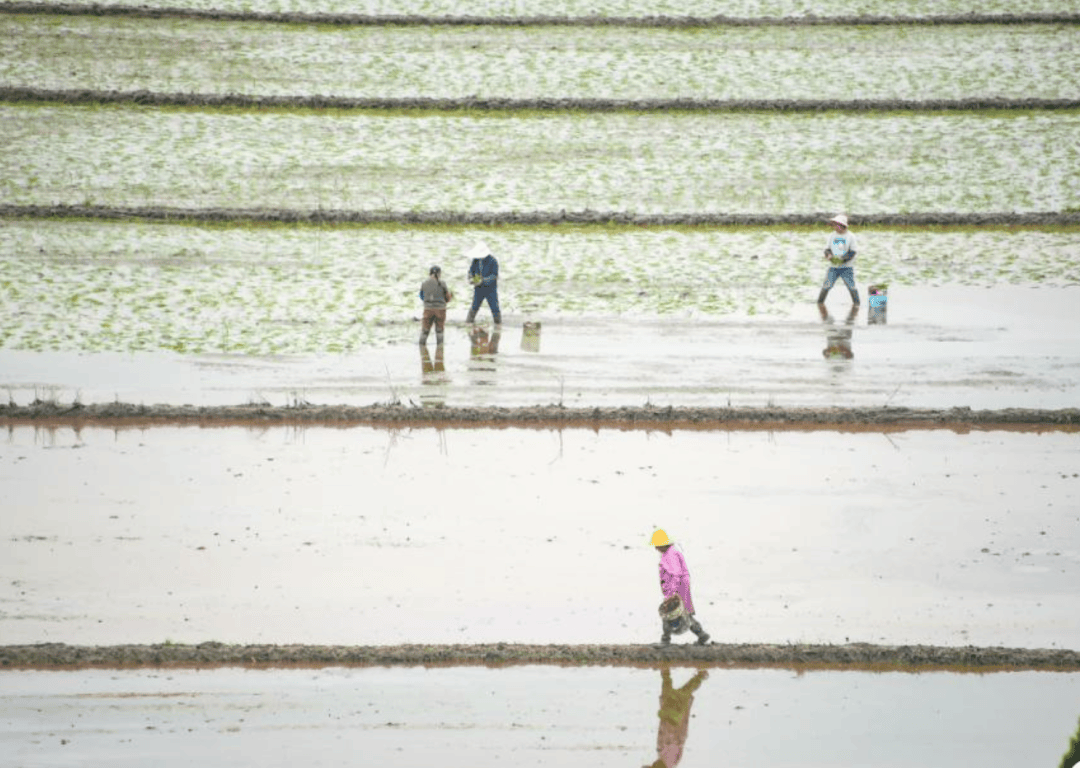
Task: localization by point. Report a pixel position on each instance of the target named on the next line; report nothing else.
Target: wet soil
(474, 218)
(960, 419)
(500, 104)
(856, 655)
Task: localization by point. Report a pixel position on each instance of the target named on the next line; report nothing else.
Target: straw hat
(660, 539)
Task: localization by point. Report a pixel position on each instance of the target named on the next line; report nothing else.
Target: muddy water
(368, 536)
(535, 715)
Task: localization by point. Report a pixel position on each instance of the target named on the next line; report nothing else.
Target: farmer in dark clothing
(435, 295)
(484, 275)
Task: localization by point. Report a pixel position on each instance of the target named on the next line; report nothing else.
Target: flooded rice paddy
(665, 162)
(138, 542)
(116, 287)
(533, 715)
(198, 56)
(361, 535)
(946, 347)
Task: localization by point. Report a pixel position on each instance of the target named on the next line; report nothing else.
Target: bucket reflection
(674, 716)
(879, 303)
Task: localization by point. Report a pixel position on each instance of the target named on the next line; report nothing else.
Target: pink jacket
(675, 577)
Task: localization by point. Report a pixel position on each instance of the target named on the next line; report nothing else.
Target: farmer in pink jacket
(675, 580)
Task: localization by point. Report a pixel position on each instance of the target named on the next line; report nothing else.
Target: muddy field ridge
(659, 21)
(327, 216)
(853, 655)
(80, 97)
(121, 415)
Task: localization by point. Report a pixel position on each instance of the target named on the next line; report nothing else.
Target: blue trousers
(491, 295)
(847, 274)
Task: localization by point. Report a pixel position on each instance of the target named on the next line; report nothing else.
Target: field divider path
(652, 21)
(546, 417)
(326, 216)
(73, 97)
(912, 658)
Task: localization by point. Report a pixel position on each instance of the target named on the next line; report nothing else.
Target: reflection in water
(433, 378)
(1072, 756)
(838, 339)
(879, 297)
(530, 336)
(483, 348)
(674, 717)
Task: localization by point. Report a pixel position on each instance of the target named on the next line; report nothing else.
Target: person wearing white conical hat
(840, 252)
(484, 275)
(675, 581)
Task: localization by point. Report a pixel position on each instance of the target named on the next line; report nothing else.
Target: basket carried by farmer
(673, 614)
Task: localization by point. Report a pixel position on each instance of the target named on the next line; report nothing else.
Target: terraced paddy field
(223, 449)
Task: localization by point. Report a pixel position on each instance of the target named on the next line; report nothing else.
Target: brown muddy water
(591, 717)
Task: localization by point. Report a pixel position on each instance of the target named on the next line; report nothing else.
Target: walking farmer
(675, 582)
(435, 295)
(840, 251)
(484, 275)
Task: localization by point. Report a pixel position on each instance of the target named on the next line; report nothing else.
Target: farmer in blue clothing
(484, 275)
(840, 252)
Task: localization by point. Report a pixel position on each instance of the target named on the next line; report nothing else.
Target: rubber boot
(438, 339)
(697, 629)
(822, 295)
(423, 339)
(471, 317)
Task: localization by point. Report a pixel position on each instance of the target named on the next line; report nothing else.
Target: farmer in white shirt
(840, 251)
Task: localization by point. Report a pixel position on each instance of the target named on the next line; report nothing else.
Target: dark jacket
(488, 269)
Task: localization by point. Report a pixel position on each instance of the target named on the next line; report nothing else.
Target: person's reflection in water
(483, 348)
(838, 339)
(1072, 756)
(674, 718)
(433, 377)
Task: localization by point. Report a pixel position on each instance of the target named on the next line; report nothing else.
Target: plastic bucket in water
(673, 614)
(879, 295)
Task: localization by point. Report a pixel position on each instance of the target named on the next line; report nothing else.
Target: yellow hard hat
(660, 539)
